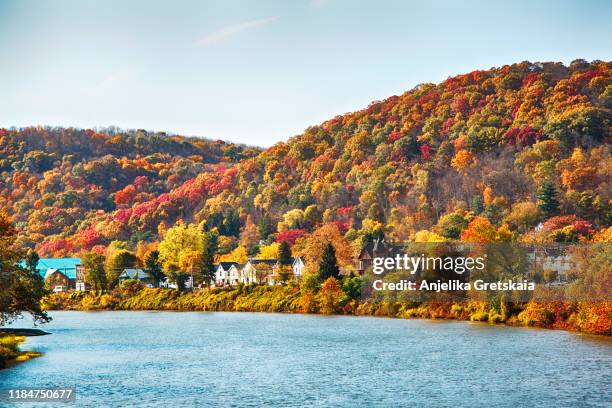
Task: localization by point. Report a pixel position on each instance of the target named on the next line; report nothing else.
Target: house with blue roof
(66, 272)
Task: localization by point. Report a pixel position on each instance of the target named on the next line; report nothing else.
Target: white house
(298, 268)
(228, 273)
(257, 270)
(553, 259)
(165, 283)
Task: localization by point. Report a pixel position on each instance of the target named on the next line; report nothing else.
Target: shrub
(479, 317)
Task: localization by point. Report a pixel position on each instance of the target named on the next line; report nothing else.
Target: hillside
(53, 181)
(482, 156)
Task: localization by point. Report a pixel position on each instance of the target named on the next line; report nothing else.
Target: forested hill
(483, 156)
(54, 179)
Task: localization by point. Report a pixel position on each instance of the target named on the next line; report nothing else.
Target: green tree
(32, 262)
(117, 262)
(231, 223)
(95, 274)
(477, 204)
(284, 253)
(351, 286)
(20, 289)
(265, 226)
(328, 268)
(153, 267)
(312, 217)
(209, 249)
(547, 199)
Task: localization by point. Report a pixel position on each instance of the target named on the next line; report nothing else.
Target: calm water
(160, 359)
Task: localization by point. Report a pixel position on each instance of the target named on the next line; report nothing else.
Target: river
(167, 359)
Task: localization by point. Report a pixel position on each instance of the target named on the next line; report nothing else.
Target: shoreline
(424, 319)
(588, 318)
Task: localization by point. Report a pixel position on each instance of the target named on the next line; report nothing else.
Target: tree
(311, 248)
(179, 244)
(294, 219)
(312, 217)
(428, 236)
(32, 262)
(479, 230)
(284, 253)
(328, 268)
(547, 199)
(351, 286)
(21, 290)
(116, 263)
(452, 225)
(269, 251)
(231, 223)
(330, 295)
(192, 264)
(523, 215)
(239, 255)
(249, 237)
(209, 249)
(153, 267)
(95, 275)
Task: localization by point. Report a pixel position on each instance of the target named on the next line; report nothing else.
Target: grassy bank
(10, 352)
(587, 317)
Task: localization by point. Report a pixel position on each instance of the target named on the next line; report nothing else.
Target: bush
(479, 317)
(9, 349)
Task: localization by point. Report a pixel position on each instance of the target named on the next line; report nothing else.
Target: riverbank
(10, 352)
(586, 317)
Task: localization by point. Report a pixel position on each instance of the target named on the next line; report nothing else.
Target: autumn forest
(483, 156)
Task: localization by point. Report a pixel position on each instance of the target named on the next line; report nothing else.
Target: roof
(66, 273)
(378, 247)
(131, 273)
(256, 261)
(226, 265)
(65, 265)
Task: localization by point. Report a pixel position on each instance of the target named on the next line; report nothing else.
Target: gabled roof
(379, 247)
(237, 265)
(67, 273)
(226, 265)
(132, 273)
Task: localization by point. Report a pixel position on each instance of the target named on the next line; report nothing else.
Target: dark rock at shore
(23, 332)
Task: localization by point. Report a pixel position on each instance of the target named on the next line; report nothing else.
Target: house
(61, 271)
(257, 270)
(167, 284)
(554, 261)
(81, 284)
(293, 270)
(135, 273)
(298, 268)
(227, 273)
(375, 249)
(58, 278)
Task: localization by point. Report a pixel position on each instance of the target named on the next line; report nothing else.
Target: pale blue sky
(261, 71)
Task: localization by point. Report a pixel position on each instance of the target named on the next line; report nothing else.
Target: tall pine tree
(284, 253)
(153, 267)
(328, 268)
(547, 199)
(210, 247)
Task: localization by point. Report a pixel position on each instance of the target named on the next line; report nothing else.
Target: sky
(258, 72)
